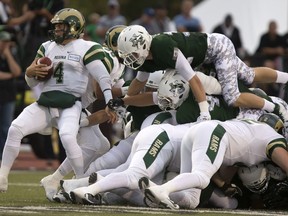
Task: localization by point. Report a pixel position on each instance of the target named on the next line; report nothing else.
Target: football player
(91, 140)
(208, 145)
(186, 50)
(60, 99)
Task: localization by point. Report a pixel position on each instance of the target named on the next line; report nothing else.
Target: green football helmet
(111, 37)
(74, 21)
(274, 121)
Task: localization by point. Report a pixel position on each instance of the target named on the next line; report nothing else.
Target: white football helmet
(154, 79)
(255, 178)
(276, 172)
(173, 90)
(134, 45)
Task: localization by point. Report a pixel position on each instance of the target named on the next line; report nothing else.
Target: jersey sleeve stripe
(274, 144)
(94, 53)
(108, 64)
(40, 52)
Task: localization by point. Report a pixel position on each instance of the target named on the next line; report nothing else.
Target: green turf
(26, 197)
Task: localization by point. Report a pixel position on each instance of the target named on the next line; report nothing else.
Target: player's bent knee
(67, 138)
(15, 132)
(202, 180)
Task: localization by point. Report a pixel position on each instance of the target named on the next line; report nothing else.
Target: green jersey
(189, 110)
(164, 50)
(139, 114)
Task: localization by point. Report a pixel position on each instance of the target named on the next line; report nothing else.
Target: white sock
(63, 170)
(81, 182)
(10, 153)
(282, 77)
(57, 175)
(268, 106)
(78, 166)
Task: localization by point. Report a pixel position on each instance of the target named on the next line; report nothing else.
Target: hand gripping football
(48, 62)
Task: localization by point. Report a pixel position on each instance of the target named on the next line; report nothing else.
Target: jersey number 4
(58, 73)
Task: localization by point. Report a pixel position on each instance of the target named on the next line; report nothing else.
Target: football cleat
(77, 195)
(50, 186)
(144, 183)
(150, 204)
(89, 199)
(3, 183)
(160, 198)
(61, 197)
(93, 178)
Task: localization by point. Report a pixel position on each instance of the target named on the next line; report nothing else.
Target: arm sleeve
(155, 98)
(101, 75)
(31, 82)
(142, 76)
(183, 67)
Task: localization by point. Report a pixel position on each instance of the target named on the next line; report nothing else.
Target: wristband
(84, 122)
(124, 90)
(203, 106)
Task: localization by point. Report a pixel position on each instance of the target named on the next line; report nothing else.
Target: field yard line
(142, 210)
(25, 184)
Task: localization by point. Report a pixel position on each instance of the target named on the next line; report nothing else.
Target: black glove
(113, 104)
(231, 190)
(277, 196)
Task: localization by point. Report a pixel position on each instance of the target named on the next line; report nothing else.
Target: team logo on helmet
(136, 40)
(177, 87)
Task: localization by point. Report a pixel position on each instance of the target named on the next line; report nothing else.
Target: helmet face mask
(165, 103)
(134, 45)
(173, 90)
(133, 60)
(73, 21)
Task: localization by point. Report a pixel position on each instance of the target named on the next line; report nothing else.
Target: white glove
(204, 116)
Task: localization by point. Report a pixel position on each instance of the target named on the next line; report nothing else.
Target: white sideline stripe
(25, 184)
(142, 210)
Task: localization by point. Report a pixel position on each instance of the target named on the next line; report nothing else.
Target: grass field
(26, 197)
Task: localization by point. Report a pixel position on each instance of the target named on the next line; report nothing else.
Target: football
(48, 62)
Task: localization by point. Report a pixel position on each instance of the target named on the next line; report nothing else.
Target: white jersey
(67, 60)
(242, 142)
(74, 58)
(248, 142)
